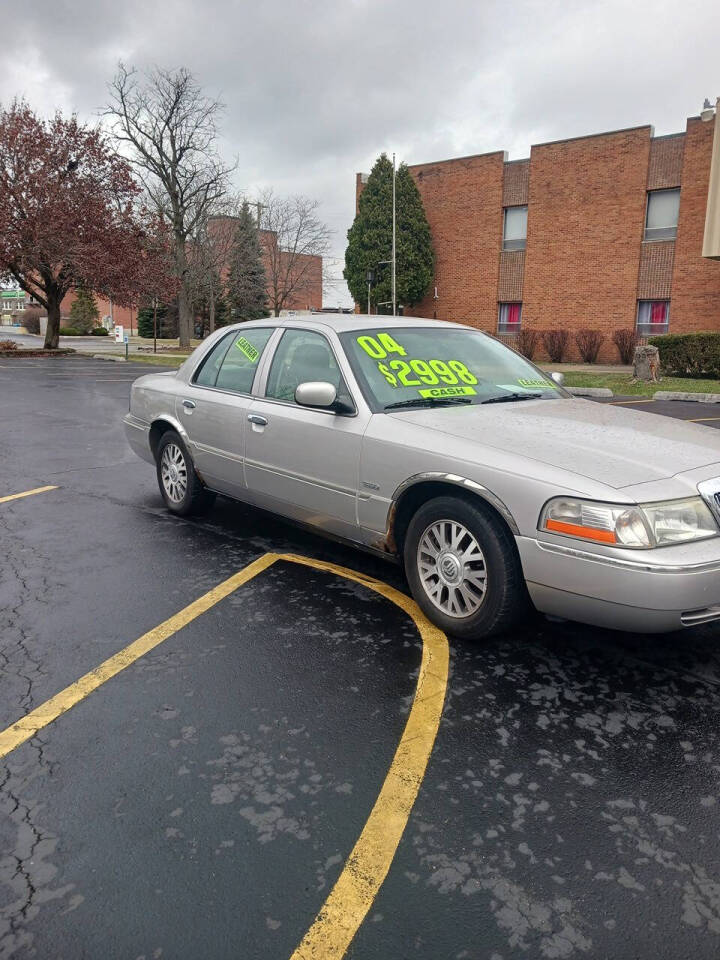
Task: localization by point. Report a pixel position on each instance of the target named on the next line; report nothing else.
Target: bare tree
(293, 237)
(171, 126)
(209, 252)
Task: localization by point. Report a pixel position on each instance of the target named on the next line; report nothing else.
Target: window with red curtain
(653, 317)
(509, 317)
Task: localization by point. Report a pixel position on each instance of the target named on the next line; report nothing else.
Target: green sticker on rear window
(448, 392)
(248, 349)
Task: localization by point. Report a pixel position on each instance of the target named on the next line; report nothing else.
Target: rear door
(302, 462)
(213, 408)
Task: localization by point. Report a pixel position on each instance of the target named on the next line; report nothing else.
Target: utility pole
(394, 298)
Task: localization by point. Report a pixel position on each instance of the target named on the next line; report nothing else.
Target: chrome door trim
(301, 478)
(476, 488)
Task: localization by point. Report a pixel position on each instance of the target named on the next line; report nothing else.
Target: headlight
(676, 521)
(640, 527)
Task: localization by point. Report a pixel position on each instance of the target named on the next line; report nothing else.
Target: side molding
(477, 488)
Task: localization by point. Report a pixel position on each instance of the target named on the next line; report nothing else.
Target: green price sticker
(248, 349)
(537, 383)
(435, 392)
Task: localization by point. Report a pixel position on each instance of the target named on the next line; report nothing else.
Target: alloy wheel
(452, 568)
(173, 471)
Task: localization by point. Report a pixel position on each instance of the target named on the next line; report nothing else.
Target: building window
(509, 318)
(514, 228)
(653, 317)
(661, 221)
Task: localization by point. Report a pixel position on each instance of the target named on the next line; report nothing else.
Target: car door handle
(256, 418)
(189, 404)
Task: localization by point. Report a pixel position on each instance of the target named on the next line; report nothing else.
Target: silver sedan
(434, 444)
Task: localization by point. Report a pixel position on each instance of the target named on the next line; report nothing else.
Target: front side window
(515, 228)
(418, 364)
(653, 317)
(509, 318)
(303, 356)
(663, 208)
(240, 363)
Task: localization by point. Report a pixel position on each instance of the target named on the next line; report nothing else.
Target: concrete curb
(590, 391)
(108, 356)
(697, 397)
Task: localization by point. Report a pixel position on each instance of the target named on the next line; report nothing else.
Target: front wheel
(463, 568)
(181, 488)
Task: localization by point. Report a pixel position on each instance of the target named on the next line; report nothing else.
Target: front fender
(452, 478)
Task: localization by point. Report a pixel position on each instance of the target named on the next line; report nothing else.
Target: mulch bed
(60, 352)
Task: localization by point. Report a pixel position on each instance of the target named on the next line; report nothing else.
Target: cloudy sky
(315, 90)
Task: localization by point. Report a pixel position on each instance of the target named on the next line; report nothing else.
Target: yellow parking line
(367, 866)
(53, 708)
(624, 403)
(26, 493)
(702, 419)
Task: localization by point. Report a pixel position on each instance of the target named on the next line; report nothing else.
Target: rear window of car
(232, 363)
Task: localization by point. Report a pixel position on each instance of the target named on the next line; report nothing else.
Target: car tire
(182, 490)
(463, 568)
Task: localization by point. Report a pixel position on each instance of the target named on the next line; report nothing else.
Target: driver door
(304, 462)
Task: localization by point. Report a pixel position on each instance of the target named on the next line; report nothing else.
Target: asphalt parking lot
(203, 796)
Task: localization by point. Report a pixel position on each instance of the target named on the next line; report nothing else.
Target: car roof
(343, 322)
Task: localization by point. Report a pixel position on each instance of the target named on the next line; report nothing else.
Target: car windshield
(414, 366)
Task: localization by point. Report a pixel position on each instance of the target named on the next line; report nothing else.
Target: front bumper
(647, 592)
(138, 436)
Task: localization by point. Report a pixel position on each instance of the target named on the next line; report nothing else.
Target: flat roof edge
(470, 156)
(593, 136)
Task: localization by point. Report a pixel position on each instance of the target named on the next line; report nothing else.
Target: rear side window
(238, 366)
(207, 374)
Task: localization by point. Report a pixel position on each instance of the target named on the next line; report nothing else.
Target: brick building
(602, 231)
(306, 295)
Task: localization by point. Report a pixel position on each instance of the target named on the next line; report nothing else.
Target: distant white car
(434, 443)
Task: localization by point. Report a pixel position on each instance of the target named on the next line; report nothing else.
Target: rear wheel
(181, 488)
(463, 568)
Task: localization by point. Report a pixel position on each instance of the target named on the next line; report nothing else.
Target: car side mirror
(559, 378)
(316, 393)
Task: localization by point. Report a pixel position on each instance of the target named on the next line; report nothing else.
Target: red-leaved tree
(70, 214)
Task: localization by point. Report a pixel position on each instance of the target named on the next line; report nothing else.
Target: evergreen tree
(246, 279)
(84, 313)
(166, 321)
(370, 240)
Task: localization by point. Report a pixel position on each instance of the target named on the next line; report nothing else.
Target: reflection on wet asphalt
(203, 802)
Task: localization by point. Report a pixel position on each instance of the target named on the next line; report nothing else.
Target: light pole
(370, 282)
(394, 298)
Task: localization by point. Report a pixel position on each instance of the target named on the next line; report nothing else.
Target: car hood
(610, 444)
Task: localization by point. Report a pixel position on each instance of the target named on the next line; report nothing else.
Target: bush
(31, 319)
(70, 332)
(98, 332)
(625, 339)
(588, 344)
(689, 354)
(555, 343)
(527, 342)
(8, 345)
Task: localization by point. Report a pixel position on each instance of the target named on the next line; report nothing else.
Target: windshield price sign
(415, 372)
